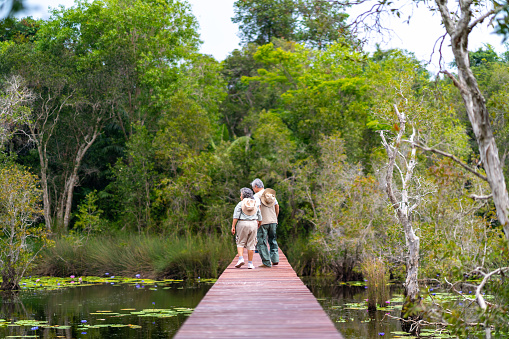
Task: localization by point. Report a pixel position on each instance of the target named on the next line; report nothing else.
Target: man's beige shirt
(268, 213)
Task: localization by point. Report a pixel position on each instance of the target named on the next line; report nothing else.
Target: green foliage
(89, 216)
(273, 146)
(321, 24)
(483, 56)
(262, 20)
(20, 238)
(135, 178)
(314, 23)
(19, 30)
(200, 80)
(244, 100)
(398, 80)
(307, 258)
(184, 130)
(140, 43)
(446, 249)
(322, 92)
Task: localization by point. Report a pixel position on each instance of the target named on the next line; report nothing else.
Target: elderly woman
(246, 220)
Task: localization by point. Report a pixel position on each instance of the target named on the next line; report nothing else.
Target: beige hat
(248, 206)
(268, 197)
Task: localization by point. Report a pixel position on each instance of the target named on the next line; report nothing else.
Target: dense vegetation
(141, 144)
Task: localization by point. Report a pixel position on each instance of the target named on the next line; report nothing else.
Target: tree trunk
(9, 280)
(68, 195)
(8, 284)
(59, 219)
(478, 115)
(72, 180)
(46, 199)
(475, 105)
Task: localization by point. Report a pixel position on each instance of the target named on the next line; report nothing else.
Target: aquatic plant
(377, 279)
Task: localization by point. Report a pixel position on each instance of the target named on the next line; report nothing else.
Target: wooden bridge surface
(261, 302)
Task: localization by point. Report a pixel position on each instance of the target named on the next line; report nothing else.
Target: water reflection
(100, 311)
(12, 304)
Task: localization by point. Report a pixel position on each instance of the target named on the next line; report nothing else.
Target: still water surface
(100, 311)
(158, 309)
(346, 307)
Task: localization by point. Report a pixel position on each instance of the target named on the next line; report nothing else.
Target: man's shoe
(240, 263)
(264, 266)
(275, 263)
(250, 266)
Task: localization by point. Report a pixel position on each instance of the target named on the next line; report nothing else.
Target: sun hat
(248, 206)
(268, 197)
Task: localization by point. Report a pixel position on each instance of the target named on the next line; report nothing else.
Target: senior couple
(255, 223)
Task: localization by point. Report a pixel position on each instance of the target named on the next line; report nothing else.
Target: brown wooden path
(259, 303)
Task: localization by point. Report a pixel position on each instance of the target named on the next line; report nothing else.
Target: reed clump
(377, 279)
(154, 256)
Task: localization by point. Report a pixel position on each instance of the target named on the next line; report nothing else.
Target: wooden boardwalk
(259, 303)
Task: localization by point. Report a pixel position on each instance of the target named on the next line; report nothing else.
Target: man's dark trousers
(264, 232)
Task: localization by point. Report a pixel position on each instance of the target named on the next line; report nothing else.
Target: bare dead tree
(403, 207)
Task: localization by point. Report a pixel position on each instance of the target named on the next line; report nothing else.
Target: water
(345, 305)
(347, 308)
(102, 310)
(136, 308)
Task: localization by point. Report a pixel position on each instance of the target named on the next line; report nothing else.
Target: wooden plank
(269, 302)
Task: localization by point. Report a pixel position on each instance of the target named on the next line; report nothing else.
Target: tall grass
(375, 272)
(127, 255)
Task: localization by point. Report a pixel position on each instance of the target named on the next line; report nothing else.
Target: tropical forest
(123, 150)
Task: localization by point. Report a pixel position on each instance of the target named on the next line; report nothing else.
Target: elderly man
(269, 207)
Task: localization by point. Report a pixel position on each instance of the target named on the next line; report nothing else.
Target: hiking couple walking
(255, 223)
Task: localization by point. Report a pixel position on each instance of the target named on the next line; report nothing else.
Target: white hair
(257, 183)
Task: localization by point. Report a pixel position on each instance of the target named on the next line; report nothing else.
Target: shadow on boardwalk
(261, 302)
